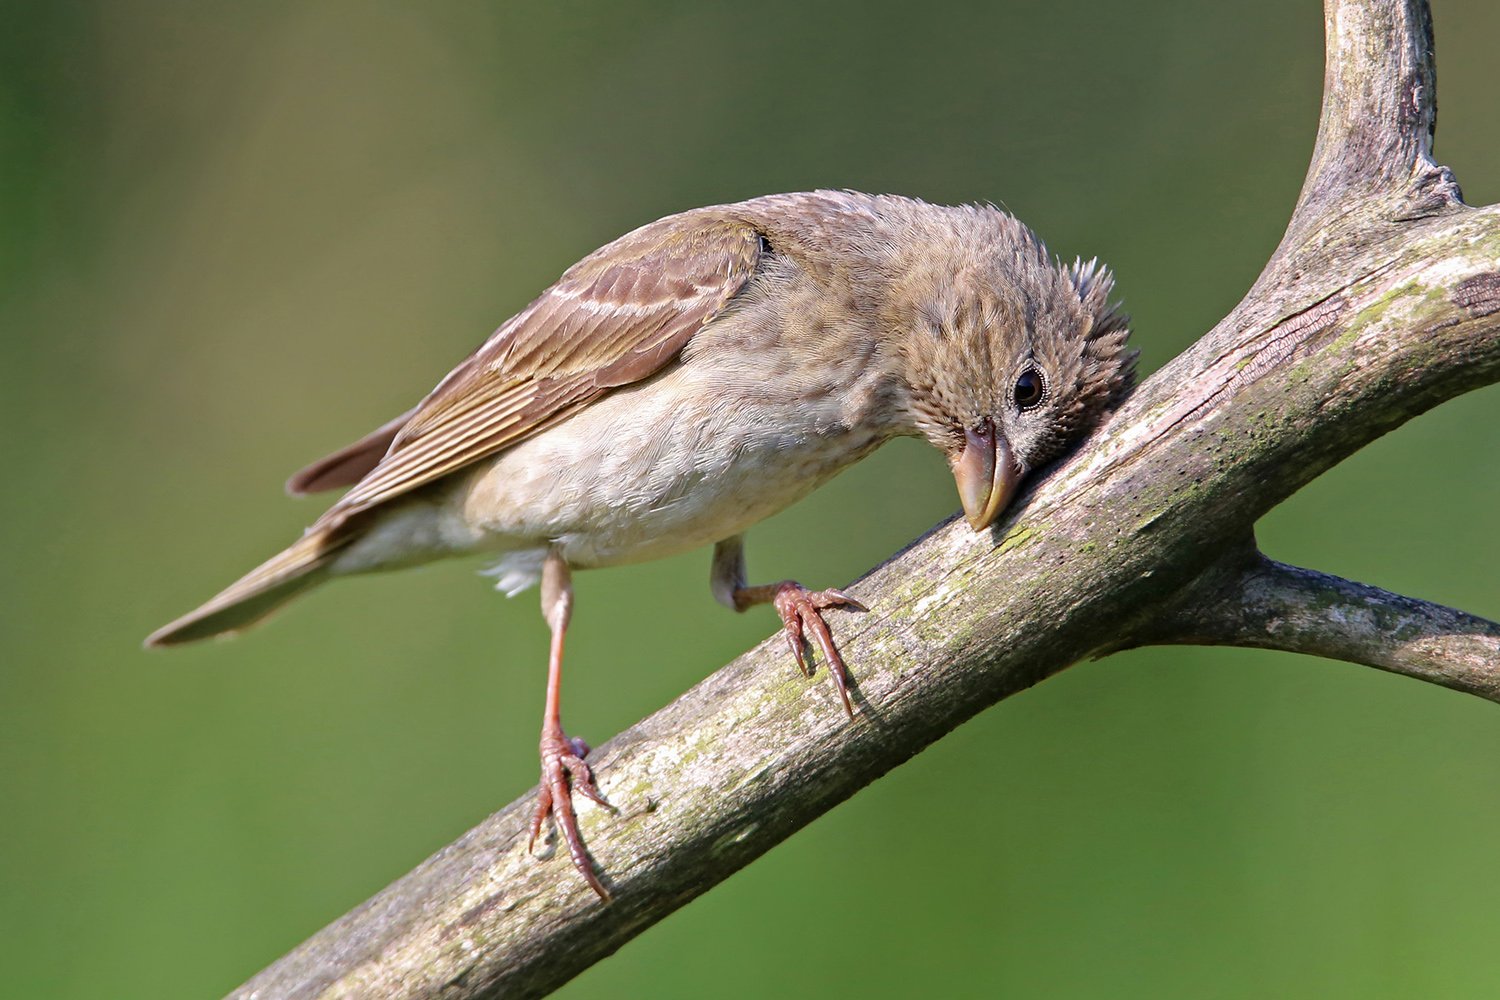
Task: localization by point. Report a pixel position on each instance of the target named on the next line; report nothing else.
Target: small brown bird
(696, 376)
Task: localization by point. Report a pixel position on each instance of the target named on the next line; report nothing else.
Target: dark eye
(1029, 389)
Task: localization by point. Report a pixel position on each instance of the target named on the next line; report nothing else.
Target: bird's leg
(563, 769)
(801, 610)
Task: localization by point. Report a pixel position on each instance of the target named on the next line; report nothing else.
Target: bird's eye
(1030, 388)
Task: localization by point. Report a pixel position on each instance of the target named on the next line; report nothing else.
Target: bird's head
(1009, 357)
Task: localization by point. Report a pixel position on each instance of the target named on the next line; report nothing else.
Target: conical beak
(986, 474)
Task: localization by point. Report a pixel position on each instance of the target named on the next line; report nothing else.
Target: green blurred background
(236, 236)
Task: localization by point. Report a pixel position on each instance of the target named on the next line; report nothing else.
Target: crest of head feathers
(1106, 368)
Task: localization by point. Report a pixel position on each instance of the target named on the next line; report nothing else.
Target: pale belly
(679, 462)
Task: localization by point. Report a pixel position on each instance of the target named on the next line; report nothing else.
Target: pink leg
(563, 769)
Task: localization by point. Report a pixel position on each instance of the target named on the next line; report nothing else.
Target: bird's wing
(350, 463)
(617, 317)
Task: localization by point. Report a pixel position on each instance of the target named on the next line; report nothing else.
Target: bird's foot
(801, 612)
(564, 773)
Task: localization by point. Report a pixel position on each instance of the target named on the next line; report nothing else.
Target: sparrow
(696, 376)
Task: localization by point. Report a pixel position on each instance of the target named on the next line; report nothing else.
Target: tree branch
(1382, 301)
(1255, 601)
(1379, 111)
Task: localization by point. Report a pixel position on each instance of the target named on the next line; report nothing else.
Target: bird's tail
(255, 595)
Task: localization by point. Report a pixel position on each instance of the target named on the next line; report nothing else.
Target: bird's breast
(698, 454)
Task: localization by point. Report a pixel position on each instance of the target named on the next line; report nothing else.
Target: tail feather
(259, 592)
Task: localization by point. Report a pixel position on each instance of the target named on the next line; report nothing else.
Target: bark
(1382, 301)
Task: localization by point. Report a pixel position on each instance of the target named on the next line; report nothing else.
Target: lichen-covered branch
(1382, 301)
(1255, 601)
(1379, 113)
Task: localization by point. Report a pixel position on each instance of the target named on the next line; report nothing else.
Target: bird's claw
(801, 611)
(564, 773)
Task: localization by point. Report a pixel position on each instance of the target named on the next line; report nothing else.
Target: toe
(830, 652)
(543, 810)
(581, 777)
(801, 612)
(564, 774)
(836, 599)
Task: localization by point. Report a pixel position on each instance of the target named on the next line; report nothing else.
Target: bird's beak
(987, 475)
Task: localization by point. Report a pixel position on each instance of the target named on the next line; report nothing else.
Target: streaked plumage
(699, 374)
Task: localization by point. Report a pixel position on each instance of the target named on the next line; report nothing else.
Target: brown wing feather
(618, 316)
(349, 464)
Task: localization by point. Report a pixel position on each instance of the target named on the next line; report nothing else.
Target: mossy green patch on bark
(1016, 538)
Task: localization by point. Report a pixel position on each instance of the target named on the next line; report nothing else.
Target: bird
(695, 376)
